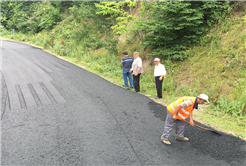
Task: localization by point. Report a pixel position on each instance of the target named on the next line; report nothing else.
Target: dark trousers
(158, 84)
(136, 82)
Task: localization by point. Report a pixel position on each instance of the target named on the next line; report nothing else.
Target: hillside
(217, 66)
(94, 35)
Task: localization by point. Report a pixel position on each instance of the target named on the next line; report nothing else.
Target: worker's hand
(160, 78)
(192, 123)
(175, 117)
(136, 74)
(130, 71)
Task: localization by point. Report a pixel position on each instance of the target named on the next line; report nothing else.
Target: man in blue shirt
(126, 63)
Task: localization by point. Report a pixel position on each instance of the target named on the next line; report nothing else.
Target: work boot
(165, 142)
(182, 138)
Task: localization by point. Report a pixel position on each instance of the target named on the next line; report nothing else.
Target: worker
(126, 63)
(137, 69)
(159, 73)
(177, 113)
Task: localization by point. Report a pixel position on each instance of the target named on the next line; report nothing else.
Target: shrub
(229, 106)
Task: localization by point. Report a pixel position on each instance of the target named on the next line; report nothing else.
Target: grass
(223, 123)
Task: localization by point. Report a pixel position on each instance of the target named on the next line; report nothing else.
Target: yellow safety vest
(183, 112)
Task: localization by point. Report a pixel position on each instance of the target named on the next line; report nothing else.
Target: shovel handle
(200, 126)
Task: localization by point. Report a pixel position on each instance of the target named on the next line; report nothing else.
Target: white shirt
(139, 64)
(159, 70)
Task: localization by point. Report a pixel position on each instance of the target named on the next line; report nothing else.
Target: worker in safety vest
(177, 113)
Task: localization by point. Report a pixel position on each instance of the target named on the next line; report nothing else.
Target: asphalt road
(55, 113)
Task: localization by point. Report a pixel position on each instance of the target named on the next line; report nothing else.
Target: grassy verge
(223, 123)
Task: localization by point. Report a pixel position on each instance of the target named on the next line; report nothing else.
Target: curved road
(55, 113)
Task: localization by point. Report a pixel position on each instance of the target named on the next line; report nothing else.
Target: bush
(4, 31)
(229, 106)
(47, 16)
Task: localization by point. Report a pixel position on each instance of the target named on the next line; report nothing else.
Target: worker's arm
(139, 67)
(163, 72)
(122, 63)
(191, 119)
(137, 71)
(177, 108)
(184, 104)
(131, 70)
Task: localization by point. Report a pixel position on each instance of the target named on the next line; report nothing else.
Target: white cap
(157, 59)
(203, 97)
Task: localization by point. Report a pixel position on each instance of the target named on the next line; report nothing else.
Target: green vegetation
(174, 26)
(168, 27)
(203, 53)
(217, 65)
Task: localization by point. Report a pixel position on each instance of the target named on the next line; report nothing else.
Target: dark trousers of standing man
(136, 82)
(158, 84)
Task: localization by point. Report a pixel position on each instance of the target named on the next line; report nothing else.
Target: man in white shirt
(159, 74)
(137, 69)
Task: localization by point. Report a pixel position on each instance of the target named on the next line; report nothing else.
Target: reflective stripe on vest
(183, 108)
(178, 113)
(183, 112)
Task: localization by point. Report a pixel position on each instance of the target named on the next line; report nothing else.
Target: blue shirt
(127, 63)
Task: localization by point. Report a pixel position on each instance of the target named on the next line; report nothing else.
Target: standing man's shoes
(126, 87)
(157, 98)
(166, 142)
(182, 138)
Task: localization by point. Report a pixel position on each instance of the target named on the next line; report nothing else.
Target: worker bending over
(177, 113)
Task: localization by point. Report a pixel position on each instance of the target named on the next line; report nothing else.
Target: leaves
(172, 26)
(116, 11)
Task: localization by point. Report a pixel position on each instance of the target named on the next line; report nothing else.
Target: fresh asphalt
(55, 113)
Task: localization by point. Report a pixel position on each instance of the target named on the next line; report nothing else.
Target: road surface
(55, 113)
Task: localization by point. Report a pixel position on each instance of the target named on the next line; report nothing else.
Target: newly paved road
(55, 113)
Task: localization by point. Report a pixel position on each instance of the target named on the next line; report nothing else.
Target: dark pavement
(55, 113)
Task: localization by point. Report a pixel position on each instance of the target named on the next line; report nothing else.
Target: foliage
(47, 16)
(27, 16)
(235, 103)
(117, 11)
(16, 15)
(173, 26)
(3, 31)
(169, 85)
(217, 64)
(32, 16)
(92, 27)
(230, 106)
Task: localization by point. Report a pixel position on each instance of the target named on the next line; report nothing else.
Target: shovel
(216, 132)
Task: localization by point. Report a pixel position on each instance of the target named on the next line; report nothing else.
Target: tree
(173, 26)
(117, 11)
